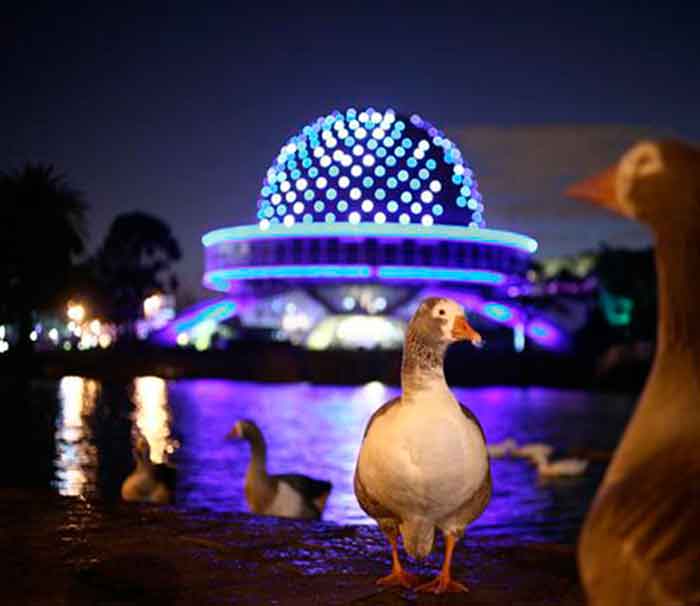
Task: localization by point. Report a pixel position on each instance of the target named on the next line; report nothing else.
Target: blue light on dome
(348, 151)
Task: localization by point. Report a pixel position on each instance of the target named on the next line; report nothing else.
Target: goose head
(141, 450)
(244, 429)
(655, 182)
(442, 322)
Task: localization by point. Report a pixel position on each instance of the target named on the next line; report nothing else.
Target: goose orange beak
(234, 434)
(462, 331)
(599, 189)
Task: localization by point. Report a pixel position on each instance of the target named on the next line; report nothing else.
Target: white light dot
(367, 205)
(416, 207)
(368, 160)
(353, 124)
(378, 133)
(363, 117)
(291, 196)
(356, 170)
(358, 150)
(264, 224)
(276, 198)
(301, 184)
(426, 196)
(459, 169)
(298, 208)
(427, 220)
(355, 193)
(418, 154)
(325, 161)
(289, 220)
(343, 182)
(319, 151)
(435, 186)
(424, 145)
(284, 187)
(379, 218)
(332, 142)
(404, 219)
(338, 155)
(321, 182)
(360, 133)
(354, 217)
(377, 117)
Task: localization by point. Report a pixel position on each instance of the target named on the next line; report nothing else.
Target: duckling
(286, 496)
(423, 462)
(149, 482)
(639, 543)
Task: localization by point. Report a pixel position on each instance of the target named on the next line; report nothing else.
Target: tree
(42, 230)
(135, 261)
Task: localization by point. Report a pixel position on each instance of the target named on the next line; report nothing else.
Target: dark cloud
(523, 170)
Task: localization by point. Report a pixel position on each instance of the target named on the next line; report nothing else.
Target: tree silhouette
(135, 261)
(42, 230)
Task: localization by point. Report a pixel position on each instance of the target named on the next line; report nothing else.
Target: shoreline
(69, 550)
(279, 362)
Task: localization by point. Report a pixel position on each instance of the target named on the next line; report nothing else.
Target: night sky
(180, 112)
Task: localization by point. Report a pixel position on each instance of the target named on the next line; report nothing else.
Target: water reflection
(152, 416)
(76, 455)
(316, 430)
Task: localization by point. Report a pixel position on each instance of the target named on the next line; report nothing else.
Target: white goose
(639, 544)
(423, 462)
(558, 468)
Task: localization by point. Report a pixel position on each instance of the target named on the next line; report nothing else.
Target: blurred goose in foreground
(285, 496)
(150, 482)
(639, 544)
(423, 462)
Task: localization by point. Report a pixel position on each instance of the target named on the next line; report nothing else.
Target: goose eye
(442, 312)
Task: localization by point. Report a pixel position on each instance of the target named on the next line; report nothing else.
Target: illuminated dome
(370, 167)
(361, 215)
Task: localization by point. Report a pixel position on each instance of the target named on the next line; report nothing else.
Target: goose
(501, 449)
(533, 451)
(559, 468)
(284, 496)
(639, 542)
(423, 462)
(149, 482)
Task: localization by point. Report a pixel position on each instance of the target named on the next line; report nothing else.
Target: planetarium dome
(370, 167)
(360, 215)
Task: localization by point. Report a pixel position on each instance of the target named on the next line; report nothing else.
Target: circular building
(361, 215)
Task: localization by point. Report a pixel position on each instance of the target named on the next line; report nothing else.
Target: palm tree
(42, 230)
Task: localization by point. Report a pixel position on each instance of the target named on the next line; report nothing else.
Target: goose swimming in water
(423, 462)
(639, 544)
(150, 482)
(285, 496)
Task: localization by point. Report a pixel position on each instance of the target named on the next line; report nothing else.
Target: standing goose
(285, 496)
(639, 543)
(423, 462)
(150, 482)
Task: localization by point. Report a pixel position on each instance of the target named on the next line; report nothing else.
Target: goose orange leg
(398, 575)
(443, 583)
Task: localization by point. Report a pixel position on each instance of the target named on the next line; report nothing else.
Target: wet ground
(75, 551)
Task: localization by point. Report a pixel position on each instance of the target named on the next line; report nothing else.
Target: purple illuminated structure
(363, 213)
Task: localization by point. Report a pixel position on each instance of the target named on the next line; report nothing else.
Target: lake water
(314, 430)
